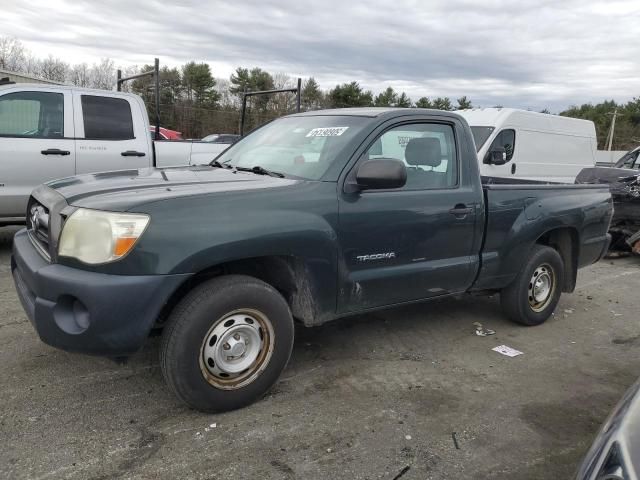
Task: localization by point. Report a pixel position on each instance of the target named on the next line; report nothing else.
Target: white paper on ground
(508, 351)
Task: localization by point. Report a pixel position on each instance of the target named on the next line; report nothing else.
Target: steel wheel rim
(542, 287)
(236, 349)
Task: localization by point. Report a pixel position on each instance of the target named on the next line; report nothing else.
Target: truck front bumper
(88, 312)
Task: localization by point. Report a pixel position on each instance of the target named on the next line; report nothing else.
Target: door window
(427, 150)
(507, 140)
(32, 114)
(106, 118)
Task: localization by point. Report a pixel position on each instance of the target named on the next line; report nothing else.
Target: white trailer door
(107, 136)
(36, 144)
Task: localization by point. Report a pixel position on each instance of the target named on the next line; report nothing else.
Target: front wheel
(534, 294)
(226, 343)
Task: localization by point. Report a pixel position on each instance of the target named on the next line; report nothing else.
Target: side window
(428, 151)
(106, 118)
(507, 140)
(32, 114)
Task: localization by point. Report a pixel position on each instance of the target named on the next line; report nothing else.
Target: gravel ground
(375, 396)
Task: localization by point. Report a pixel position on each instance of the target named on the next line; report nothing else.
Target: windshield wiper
(260, 171)
(216, 163)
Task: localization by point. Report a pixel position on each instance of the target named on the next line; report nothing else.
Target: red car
(165, 133)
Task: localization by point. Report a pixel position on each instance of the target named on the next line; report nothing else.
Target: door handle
(461, 211)
(513, 169)
(132, 153)
(55, 151)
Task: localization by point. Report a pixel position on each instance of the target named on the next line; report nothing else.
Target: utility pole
(612, 129)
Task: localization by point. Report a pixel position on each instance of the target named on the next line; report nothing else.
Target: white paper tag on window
(508, 351)
(327, 132)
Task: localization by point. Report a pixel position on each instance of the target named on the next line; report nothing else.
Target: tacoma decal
(376, 256)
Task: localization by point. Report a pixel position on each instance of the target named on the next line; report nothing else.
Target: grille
(38, 227)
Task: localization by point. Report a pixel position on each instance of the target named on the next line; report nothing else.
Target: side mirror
(382, 173)
(496, 156)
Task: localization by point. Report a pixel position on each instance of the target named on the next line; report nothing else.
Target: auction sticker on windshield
(327, 132)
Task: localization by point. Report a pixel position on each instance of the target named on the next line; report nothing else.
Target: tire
(199, 356)
(523, 301)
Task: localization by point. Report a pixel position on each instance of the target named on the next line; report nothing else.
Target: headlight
(94, 236)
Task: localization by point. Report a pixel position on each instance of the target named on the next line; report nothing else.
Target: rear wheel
(226, 343)
(534, 294)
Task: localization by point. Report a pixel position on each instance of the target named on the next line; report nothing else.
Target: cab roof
(373, 112)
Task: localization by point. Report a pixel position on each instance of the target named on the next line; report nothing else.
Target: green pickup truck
(310, 218)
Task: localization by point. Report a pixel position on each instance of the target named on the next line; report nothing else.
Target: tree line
(191, 98)
(195, 102)
(627, 127)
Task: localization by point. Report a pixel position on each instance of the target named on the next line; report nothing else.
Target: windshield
(480, 135)
(303, 147)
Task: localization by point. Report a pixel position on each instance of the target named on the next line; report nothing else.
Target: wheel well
(565, 242)
(286, 274)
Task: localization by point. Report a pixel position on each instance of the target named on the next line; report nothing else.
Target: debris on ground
(634, 242)
(455, 440)
(508, 351)
(402, 472)
(569, 310)
(617, 254)
(407, 437)
(481, 331)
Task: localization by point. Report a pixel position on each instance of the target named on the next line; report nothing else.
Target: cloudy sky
(527, 54)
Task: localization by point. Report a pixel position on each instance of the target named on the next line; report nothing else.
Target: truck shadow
(6, 238)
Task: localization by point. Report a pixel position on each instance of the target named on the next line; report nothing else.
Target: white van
(538, 146)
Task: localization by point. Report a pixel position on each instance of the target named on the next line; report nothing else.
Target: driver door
(414, 242)
(36, 144)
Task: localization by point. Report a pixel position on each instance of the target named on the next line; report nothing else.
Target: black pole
(156, 72)
(244, 110)
(119, 80)
(246, 94)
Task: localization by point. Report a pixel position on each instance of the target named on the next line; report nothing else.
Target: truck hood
(125, 189)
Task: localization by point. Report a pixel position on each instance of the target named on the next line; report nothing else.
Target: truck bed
(518, 213)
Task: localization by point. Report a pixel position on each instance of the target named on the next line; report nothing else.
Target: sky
(524, 54)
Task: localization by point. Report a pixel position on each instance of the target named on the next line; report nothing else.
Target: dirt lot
(377, 396)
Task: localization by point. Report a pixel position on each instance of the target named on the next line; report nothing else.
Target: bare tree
(54, 69)
(227, 99)
(282, 102)
(12, 54)
(128, 72)
(80, 75)
(103, 74)
(31, 65)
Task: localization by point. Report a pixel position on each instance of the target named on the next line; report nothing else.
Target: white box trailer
(538, 146)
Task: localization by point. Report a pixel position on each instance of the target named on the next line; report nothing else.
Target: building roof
(20, 77)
